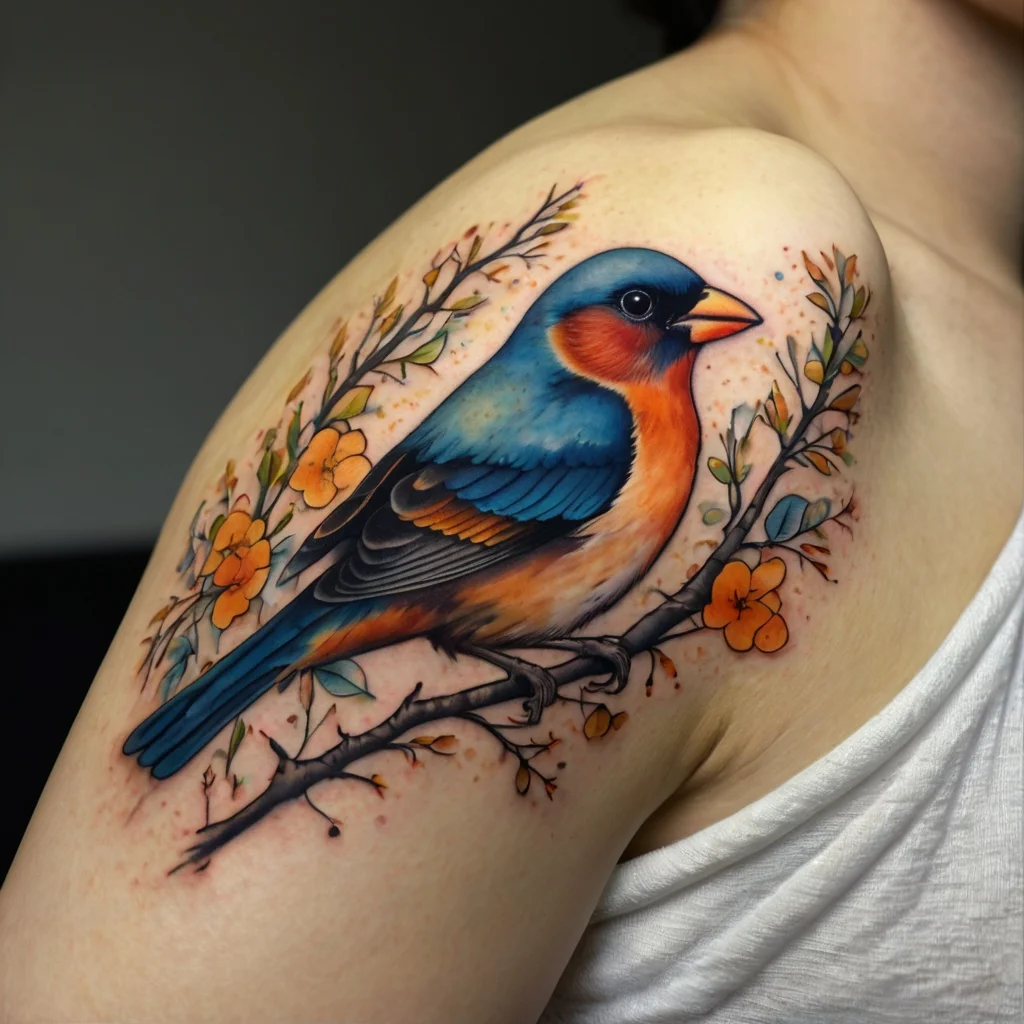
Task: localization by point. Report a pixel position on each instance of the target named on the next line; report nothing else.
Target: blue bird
(527, 503)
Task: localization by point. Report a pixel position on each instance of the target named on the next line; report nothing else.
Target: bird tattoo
(528, 502)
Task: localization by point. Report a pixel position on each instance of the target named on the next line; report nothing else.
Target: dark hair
(683, 21)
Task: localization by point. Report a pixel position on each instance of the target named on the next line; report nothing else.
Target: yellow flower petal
(772, 635)
(213, 559)
(227, 571)
(766, 577)
(232, 530)
(255, 584)
(352, 443)
(350, 472)
(256, 530)
(322, 447)
(319, 492)
(228, 607)
(259, 554)
(739, 635)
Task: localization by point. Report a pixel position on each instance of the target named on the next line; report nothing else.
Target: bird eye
(636, 304)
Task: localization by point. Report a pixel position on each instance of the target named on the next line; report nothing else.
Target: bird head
(628, 316)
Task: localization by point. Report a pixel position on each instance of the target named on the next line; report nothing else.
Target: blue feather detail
(178, 730)
(466, 476)
(487, 485)
(524, 507)
(561, 497)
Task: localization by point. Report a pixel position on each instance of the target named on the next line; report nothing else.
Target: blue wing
(522, 439)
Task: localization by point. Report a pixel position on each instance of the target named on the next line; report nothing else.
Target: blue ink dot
(778, 275)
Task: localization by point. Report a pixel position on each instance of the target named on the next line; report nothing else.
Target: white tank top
(881, 884)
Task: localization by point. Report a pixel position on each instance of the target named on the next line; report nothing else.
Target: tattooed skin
(536, 495)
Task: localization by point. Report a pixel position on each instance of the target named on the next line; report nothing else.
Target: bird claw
(613, 652)
(543, 690)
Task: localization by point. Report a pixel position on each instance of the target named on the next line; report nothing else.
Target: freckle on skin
(381, 819)
(469, 753)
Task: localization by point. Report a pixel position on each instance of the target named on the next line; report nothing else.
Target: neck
(917, 102)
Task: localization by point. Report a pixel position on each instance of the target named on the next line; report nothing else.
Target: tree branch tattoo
(531, 500)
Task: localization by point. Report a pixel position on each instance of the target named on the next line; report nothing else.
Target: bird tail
(173, 734)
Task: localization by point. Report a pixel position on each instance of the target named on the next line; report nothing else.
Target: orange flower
(239, 561)
(332, 462)
(744, 604)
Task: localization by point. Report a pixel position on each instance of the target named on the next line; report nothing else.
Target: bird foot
(609, 649)
(543, 689)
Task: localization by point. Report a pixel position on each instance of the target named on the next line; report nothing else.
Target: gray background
(179, 180)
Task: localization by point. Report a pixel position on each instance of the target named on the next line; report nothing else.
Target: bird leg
(609, 649)
(543, 688)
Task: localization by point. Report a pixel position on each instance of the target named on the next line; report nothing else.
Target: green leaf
(847, 457)
(342, 678)
(719, 470)
(713, 515)
(263, 472)
(840, 264)
(277, 467)
(427, 352)
(845, 303)
(858, 353)
(467, 303)
(742, 419)
(815, 513)
(828, 346)
(270, 438)
(791, 348)
(294, 429)
(743, 474)
(215, 527)
(237, 735)
(352, 403)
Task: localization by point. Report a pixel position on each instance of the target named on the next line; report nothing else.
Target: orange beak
(717, 315)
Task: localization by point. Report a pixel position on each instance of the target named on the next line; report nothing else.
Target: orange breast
(555, 593)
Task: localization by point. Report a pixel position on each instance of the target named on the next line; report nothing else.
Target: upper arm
(422, 860)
